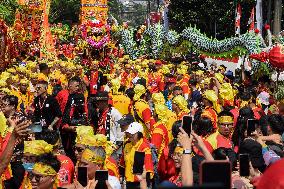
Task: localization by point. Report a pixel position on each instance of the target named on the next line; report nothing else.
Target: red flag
(251, 20)
(238, 19)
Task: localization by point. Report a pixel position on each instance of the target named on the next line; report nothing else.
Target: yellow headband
(37, 147)
(178, 150)
(90, 156)
(44, 169)
(225, 119)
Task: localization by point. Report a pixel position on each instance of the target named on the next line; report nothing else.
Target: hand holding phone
(186, 124)
(216, 172)
(83, 176)
(138, 165)
(244, 164)
(251, 126)
(101, 176)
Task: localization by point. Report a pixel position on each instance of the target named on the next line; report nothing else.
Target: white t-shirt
(114, 182)
(115, 132)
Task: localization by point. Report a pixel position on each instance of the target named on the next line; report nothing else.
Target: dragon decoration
(155, 39)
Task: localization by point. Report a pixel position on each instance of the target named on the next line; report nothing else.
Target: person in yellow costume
(210, 101)
(160, 133)
(94, 159)
(170, 117)
(182, 80)
(86, 138)
(180, 107)
(120, 101)
(227, 94)
(141, 109)
(25, 96)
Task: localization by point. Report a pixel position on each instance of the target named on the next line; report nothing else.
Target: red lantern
(276, 56)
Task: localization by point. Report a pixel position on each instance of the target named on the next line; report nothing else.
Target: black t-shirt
(46, 110)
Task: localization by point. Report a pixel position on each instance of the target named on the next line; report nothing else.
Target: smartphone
(244, 164)
(186, 124)
(216, 173)
(101, 176)
(83, 176)
(138, 164)
(35, 127)
(251, 126)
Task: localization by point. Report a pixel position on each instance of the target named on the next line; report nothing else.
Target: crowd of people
(57, 117)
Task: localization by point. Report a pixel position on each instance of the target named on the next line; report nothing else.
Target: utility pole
(277, 16)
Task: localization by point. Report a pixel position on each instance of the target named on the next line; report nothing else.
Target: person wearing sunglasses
(47, 110)
(222, 137)
(44, 172)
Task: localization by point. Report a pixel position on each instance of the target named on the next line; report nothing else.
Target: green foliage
(204, 14)
(65, 11)
(7, 10)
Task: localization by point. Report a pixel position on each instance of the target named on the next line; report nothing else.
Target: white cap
(134, 128)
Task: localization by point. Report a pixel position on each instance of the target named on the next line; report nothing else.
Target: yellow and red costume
(216, 140)
(127, 159)
(119, 101)
(156, 82)
(159, 137)
(143, 110)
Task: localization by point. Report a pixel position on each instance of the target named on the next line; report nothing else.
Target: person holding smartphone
(93, 159)
(136, 142)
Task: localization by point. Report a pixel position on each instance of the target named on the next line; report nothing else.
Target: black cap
(126, 120)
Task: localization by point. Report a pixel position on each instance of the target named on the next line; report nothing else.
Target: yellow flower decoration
(37, 147)
(139, 90)
(24, 81)
(3, 83)
(165, 69)
(11, 70)
(199, 72)
(6, 91)
(15, 78)
(181, 103)
(101, 140)
(158, 98)
(41, 77)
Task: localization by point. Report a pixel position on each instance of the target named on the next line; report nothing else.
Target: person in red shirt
(66, 172)
(222, 137)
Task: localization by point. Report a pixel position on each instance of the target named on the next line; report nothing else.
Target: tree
(64, 11)
(208, 16)
(277, 16)
(7, 10)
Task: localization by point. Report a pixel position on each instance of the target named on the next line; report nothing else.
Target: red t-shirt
(66, 172)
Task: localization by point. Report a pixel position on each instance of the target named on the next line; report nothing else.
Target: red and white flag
(251, 20)
(238, 19)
